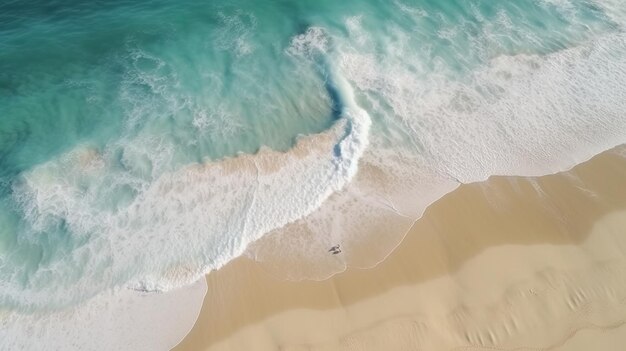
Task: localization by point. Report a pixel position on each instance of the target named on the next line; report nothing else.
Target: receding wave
(524, 114)
(204, 213)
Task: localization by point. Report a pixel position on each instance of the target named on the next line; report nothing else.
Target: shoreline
(221, 322)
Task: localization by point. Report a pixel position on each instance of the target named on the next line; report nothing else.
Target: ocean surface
(146, 143)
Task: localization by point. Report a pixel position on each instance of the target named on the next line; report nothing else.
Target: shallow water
(143, 144)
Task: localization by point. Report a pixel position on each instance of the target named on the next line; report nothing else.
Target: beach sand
(511, 263)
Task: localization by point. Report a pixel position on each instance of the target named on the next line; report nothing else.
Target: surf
(140, 160)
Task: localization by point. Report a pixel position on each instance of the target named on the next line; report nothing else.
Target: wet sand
(509, 263)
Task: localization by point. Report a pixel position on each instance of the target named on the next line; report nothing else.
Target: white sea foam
(434, 133)
(135, 230)
(138, 218)
(120, 320)
(312, 42)
(518, 115)
(135, 223)
(235, 33)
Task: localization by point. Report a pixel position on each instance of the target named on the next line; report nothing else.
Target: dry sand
(508, 264)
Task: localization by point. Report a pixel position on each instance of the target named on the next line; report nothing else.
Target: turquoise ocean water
(144, 143)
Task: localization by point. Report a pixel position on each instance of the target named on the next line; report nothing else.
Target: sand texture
(511, 263)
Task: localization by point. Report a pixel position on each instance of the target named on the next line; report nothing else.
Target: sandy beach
(511, 263)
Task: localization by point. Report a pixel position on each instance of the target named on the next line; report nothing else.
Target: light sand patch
(507, 264)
